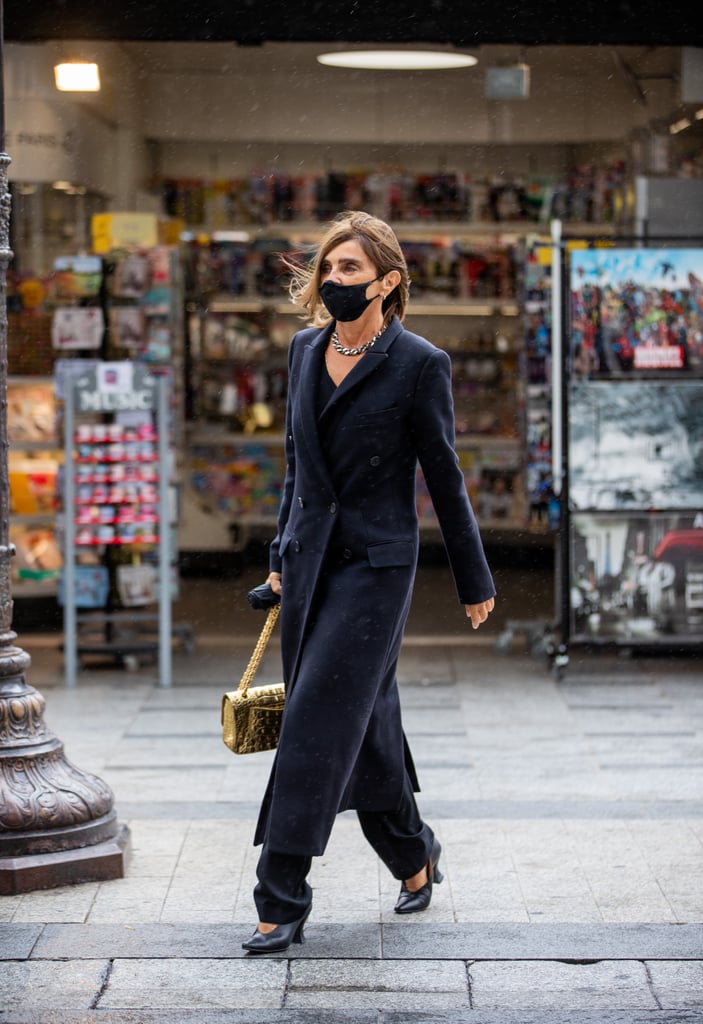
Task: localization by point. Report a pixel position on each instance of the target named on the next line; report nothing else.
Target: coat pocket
(388, 553)
(377, 417)
(285, 541)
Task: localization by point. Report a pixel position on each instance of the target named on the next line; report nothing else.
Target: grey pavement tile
(624, 896)
(408, 1015)
(378, 976)
(657, 840)
(70, 984)
(9, 905)
(203, 697)
(377, 984)
(492, 911)
(443, 721)
(209, 1015)
(546, 908)
(425, 665)
(195, 940)
(188, 722)
(151, 865)
(542, 1016)
(677, 984)
(131, 898)
(193, 811)
(345, 880)
(66, 903)
(183, 983)
(139, 940)
(686, 909)
(530, 985)
(18, 940)
(510, 941)
(169, 784)
(173, 752)
(379, 1001)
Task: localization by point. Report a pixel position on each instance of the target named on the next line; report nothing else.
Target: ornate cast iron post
(58, 825)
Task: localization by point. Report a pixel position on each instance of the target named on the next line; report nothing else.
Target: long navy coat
(347, 548)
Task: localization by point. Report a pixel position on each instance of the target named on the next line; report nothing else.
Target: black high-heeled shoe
(412, 902)
(280, 938)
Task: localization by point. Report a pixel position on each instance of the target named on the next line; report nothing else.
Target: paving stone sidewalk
(571, 819)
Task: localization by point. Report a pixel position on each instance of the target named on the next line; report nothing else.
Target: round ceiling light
(397, 60)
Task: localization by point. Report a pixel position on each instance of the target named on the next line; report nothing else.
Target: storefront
(234, 155)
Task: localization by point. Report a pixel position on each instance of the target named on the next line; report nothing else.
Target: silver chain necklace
(359, 350)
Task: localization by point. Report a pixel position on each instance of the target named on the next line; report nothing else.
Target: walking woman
(367, 402)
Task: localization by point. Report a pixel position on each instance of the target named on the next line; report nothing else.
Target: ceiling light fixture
(397, 60)
(77, 76)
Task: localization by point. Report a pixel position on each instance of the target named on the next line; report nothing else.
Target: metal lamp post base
(57, 823)
(99, 863)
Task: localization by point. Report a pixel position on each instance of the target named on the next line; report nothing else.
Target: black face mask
(346, 302)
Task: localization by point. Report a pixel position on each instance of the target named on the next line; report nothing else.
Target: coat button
(301, 502)
(346, 554)
(376, 460)
(333, 508)
(296, 545)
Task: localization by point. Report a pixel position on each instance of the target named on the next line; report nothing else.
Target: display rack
(116, 498)
(627, 452)
(35, 457)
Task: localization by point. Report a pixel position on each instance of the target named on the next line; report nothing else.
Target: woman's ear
(391, 280)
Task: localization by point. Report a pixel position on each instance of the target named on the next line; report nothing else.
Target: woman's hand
(478, 613)
(274, 580)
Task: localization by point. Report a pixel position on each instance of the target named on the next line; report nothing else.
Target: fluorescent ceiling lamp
(77, 76)
(397, 60)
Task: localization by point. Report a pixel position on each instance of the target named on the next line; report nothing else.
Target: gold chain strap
(260, 648)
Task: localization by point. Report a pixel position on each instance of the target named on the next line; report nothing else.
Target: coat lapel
(368, 364)
(311, 368)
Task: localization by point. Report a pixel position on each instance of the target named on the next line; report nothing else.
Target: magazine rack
(116, 498)
(628, 446)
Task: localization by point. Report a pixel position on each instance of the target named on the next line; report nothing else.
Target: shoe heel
(299, 936)
(437, 875)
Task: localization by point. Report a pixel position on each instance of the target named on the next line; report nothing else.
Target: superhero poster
(636, 312)
(637, 578)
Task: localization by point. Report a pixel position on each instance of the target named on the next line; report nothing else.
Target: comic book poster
(637, 577)
(636, 312)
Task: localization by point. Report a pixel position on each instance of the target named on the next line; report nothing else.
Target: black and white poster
(636, 445)
(637, 577)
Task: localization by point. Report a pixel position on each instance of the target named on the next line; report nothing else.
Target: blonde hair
(379, 242)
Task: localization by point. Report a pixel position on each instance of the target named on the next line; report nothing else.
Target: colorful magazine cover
(636, 312)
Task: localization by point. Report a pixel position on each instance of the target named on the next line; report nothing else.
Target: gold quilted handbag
(251, 715)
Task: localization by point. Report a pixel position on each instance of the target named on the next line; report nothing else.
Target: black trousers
(400, 837)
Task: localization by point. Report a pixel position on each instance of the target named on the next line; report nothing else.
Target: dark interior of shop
(461, 24)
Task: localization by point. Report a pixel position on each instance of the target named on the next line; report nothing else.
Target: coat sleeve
(289, 479)
(433, 418)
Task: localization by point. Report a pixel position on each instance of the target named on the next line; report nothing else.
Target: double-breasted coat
(347, 548)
